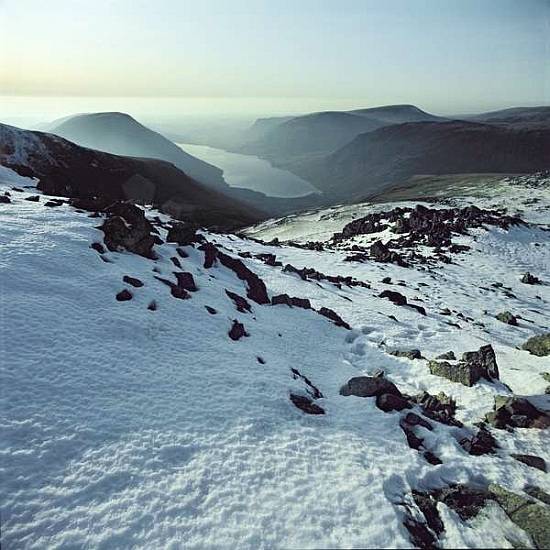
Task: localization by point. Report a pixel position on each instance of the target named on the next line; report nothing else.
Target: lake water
(251, 172)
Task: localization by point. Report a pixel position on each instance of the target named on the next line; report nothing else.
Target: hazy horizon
(258, 58)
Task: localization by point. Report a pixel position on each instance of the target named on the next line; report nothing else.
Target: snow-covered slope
(123, 426)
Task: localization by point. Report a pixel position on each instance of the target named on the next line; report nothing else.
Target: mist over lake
(251, 172)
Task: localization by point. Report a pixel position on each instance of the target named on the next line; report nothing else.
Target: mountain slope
(377, 160)
(125, 426)
(66, 169)
(121, 134)
(283, 139)
(517, 117)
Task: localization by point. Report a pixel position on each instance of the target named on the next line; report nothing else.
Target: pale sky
(442, 55)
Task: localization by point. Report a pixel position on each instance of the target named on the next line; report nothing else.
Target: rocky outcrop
(409, 354)
(241, 303)
(182, 233)
(529, 279)
(538, 345)
(368, 386)
(473, 366)
(136, 283)
(124, 296)
(532, 461)
(303, 303)
(508, 318)
(516, 412)
(305, 404)
(237, 331)
(334, 317)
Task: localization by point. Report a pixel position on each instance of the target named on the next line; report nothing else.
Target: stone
(389, 402)
(241, 303)
(529, 279)
(98, 247)
(33, 198)
(237, 330)
(368, 386)
(210, 310)
(136, 283)
(290, 301)
(409, 354)
(531, 460)
(152, 305)
(480, 444)
(485, 359)
(4, 199)
(182, 233)
(508, 318)
(516, 412)
(394, 297)
(333, 316)
(415, 420)
(186, 281)
(538, 345)
(447, 356)
(305, 404)
(124, 296)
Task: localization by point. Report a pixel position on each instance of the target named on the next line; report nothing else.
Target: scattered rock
(529, 279)
(98, 247)
(211, 310)
(241, 303)
(389, 402)
(306, 404)
(124, 296)
(132, 281)
(409, 354)
(176, 262)
(381, 253)
(480, 444)
(260, 360)
(287, 300)
(508, 318)
(447, 356)
(33, 198)
(53, 203)
(237, 330)
(182, 233)
(516, 412)
(186, 281)
(333, 316)
(152, 305)
(440, 408)
(394, 297)
(532, 460)
(368, 386)
(538, 345)
(4, 199)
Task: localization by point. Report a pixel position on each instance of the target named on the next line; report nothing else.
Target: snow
(125, 427)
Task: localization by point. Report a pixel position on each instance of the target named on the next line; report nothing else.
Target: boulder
(529, 279)
(390, 402)
(237, 331)
(447, 356)
(333, 316)
(136, 283)
(532, 460)
(241, 303)
(4, 199)
(305, 404)
(186, 281)
(124, 296)
(368, 386)
(394, 297)
(409, 354)
(508, 318)
(538, 345)
(480, 444)
(182, 233)
(516, 412)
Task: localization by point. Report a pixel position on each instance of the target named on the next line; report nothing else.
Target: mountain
(241, 412)
(390, 155)
(121, 134)
(286, 139)
(66, 169)
(516, 117)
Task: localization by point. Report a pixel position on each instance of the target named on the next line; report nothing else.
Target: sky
(446, 56)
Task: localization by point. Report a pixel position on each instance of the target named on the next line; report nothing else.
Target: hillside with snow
(356, 376)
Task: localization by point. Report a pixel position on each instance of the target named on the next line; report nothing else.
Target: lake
(251, 172)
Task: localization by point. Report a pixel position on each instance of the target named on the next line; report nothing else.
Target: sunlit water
(251, 172)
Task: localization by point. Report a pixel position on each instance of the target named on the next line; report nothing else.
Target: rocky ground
(379, 380)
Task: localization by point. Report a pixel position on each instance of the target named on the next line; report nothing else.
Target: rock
(53, 203)
(529, 279)
(175, 260)
(389, 402)
(333, 316)
(186, 281)
(473, 366)
(445, 311)
(528, 514)
(210, 310)
(419, 534)
(128, 228)
(306, 404)
(181, 253)
(237, 330)
(466, 501)
(440, 408)
(33, 198)
(4, 199)
(386, 280)
(508, 318)
(240, 303)
(132, 281)
(368, 386)
(287, 300)
(415, 420)
(480, 444)
(420, 309)
(98, 247)
(152, 305)
(210, 254)
(182, 233)
(413, 441)
(178, 292)
(448, 356)
(260, 360)
(409, 354)
(516, 412)
(381, 253)
(532, 460)
(394, 297)
(538, 345)
(431, 458)
(124, 296)
(538, 493)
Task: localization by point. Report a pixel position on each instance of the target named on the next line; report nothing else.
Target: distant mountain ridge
(377, 160)
(121, 134)
(66, 169)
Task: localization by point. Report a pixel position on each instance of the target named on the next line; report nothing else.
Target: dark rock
(529, 279)
(447, 356)
(538, 493)
(210, 254)
(176, 262)
(508, 318)
(386, 280)
(368, 386)
(237, 331)
(415, 420)
(532, 460)
(431, 458)
(128, 228)
(466, 501)
(413, 440)
(419, 534)
(98, 247)
(178, 292)
(157, 240)
(445, 311)
(186, 281)
(333, 316)
(389, 402)
(381, 253)
(152, 305)
(260, 360)
(394, 297)
(33, 198)
(210, 310)
(304, 303)
(4, 199)
(53, 203)
(440, 408)
(409, 354)
(420, 309)
(538, 345)
(427, 506)
(306, 404)
(485, 359)
(480, 444)
(124, 296)
(516, 412)
(182, 233)
(240, 303)
(312, 389)
(132, 281)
